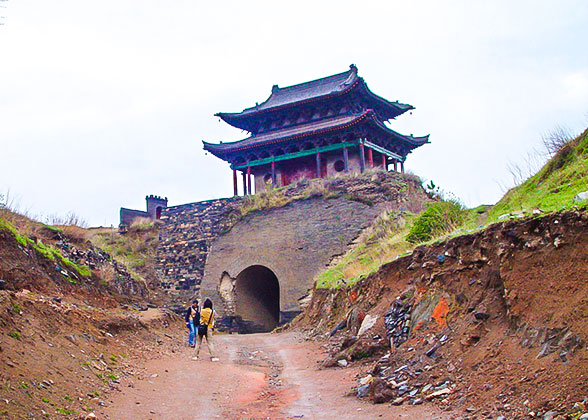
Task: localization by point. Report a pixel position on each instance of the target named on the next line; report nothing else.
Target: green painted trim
(288, 156)
(382, 150)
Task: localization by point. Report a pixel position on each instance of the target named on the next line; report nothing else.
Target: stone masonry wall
(298, 241)
(184, 241)
(204, 246)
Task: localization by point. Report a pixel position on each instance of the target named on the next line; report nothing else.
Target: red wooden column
(402, 166)
(235, 192)
(346, 159)
(370, 158)
(249, 180)
(384, 165)
(361, 157)
(244, 183)
(318, 165)
(395, 167)
(274, 174)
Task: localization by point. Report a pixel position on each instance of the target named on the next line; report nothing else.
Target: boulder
(581, 196)
(368, 322)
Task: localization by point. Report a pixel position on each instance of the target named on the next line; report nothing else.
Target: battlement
(156, 198)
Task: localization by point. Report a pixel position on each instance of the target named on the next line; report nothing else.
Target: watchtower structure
(315, 129)
(155, 204)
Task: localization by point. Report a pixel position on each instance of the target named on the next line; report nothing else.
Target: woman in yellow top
(205, 329)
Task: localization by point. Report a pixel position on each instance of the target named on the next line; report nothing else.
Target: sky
(103, 103)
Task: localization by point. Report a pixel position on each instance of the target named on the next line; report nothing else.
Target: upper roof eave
(223, 149)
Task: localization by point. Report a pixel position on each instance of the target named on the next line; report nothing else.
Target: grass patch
(15, 335)
(440, 217)
(554, 187)
(44, 250)
(66, 411)
(380, 243)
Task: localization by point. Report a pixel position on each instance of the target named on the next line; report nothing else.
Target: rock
(56, 299)
(368, 322)
(581, 196)
(2, 284)
(550, 415)
(398, 400)
(363, 391)
(501, 418)
(339, 326)
(342, 362)
(90, 416)
(481, 316)
(366, 380)
(584, 416)
(403, 389)
(438, 393)
(432, 350)
(427, 387)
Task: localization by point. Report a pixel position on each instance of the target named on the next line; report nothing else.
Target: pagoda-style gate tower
(315, 129)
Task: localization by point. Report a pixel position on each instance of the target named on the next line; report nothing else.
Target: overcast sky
(104, 102)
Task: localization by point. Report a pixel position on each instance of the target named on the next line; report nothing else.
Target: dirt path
(259, 376)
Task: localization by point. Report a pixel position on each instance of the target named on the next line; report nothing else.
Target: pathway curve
(259, 376)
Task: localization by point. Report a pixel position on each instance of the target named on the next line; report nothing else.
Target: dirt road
(259, 376)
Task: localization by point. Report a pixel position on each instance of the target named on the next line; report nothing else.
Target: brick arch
(257, 299)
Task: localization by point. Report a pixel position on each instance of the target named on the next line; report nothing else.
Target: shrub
(438, 218)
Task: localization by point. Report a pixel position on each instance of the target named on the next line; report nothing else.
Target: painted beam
(288, 156)
(382, 150)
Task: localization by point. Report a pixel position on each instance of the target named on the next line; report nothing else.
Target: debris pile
(397, 320)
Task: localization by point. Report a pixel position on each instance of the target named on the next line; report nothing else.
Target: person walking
(192, 321)
(205, 330)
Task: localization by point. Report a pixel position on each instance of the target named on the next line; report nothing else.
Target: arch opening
(257, 293)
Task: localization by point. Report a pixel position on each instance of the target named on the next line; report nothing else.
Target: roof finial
(275, 88)
(353, 67)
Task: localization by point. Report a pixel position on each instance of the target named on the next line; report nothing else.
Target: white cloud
(104, 102)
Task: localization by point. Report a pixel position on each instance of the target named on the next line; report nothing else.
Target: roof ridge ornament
(352, 75)
(275, 88)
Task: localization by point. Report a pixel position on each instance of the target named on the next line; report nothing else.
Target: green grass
(45, 250)
(21, 239)
(554, 186)
(66, 411)
(382, 242)
(440, 217)
(15, 335)
(135, 249)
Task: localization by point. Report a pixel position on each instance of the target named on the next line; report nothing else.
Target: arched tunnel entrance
(257, 295)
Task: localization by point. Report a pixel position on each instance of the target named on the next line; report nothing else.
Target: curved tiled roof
(309, 129)
(337, 84)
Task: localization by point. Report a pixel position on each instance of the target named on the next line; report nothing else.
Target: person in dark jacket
(192, 321)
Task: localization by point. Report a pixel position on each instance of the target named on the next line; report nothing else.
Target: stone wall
(298, 241)
(205, 246)
(128, 215)
(184, 241)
